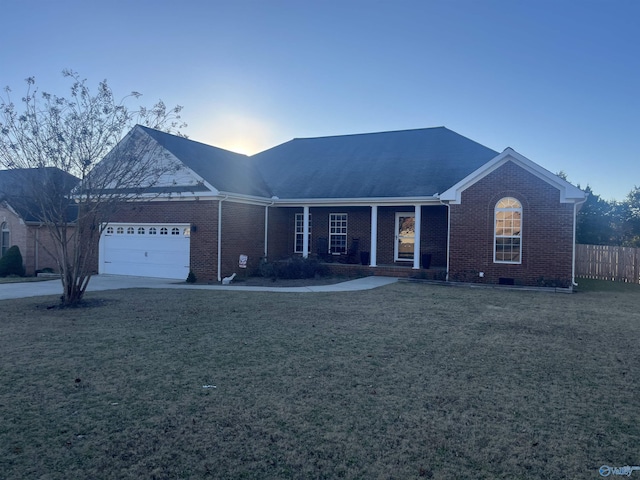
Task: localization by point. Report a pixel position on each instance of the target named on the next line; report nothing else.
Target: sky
(556, 80)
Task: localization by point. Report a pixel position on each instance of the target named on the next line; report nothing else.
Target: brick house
(21, 218)
(426, 201)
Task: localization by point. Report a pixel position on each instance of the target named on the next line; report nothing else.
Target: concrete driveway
(118, 282)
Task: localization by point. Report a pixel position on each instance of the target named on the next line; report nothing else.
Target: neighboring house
(21, 218)
(399, 197)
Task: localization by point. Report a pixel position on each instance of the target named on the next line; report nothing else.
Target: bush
(11, 263)
(191, 278)
(293, 268)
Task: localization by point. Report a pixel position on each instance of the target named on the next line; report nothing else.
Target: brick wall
(35, 243)
(547, 231)
(281, 228)
(242, 234)
(203, 214)
(434, 234)
(17, 233)
(41, 249)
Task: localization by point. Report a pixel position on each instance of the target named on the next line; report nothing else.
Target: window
(175, 231)
(109, 230)
(300, 232)
(120, 230)
(5, 239)
(338, 233)
(152, 230)
(164, 231)
(140, 230)
(130, 231)
(508, 231)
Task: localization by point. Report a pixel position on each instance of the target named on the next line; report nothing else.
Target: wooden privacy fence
(603, 262)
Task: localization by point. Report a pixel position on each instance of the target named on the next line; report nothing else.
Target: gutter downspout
(35, 248)
(220, 235)
(573, 254)
(448, 234)
(266, 227)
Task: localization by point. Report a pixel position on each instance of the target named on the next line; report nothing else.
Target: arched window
(508, 231)
(5, 238)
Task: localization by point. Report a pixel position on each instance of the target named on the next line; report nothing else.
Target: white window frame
(5, 238)
(298, 237)
(338, 225)
(513, 205)
(399, 237)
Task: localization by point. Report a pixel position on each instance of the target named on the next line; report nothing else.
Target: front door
(405, 236)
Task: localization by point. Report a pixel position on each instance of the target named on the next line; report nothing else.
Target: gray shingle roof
(227, 171)
(20, 187)
(403, 163)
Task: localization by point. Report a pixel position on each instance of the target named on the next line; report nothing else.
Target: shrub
(191, 278)
(11, 263)
(293, 268)
(44, 270)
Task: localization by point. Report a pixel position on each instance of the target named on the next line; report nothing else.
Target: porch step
(348, 270)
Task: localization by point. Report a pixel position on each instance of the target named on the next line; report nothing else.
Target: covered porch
(384, 238)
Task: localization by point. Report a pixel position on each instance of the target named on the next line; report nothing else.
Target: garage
(145, 250)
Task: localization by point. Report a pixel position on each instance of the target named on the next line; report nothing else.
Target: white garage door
(145, 250)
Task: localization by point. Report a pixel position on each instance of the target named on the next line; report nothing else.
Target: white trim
(345, 235)
(203, 195)
(416, 241)
(266, 230)
(495, 237)
(305, 231)
(373, 257)
(448, 237)
(249, 199)
(568, 192)
(358, 202)
(4, 227)
(396, 236)
(220, 237)
(307, 226)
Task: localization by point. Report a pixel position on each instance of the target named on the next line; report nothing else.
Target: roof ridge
(372, 133)
(155, 130)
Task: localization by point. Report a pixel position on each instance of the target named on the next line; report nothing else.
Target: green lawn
(405, 381)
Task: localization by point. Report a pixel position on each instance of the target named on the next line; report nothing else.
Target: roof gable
(221, 169)
(568, 192)
(406, 163)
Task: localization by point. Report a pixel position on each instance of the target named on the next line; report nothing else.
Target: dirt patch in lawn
(405, 381)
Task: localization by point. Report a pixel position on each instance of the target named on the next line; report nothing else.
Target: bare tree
(92, 137)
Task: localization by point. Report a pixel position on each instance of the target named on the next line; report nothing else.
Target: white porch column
(374, 236)
(416, 244)
(305, 231)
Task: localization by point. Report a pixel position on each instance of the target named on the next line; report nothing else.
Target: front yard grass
(406, 381)
(16, 279)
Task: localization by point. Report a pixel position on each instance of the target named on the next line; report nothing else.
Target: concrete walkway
(118, 282)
